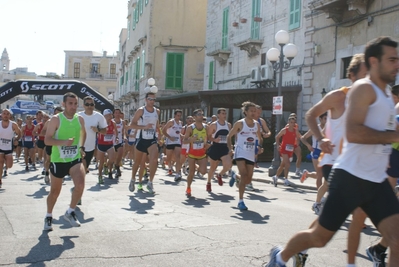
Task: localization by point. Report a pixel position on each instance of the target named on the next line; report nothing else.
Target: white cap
(107, 112)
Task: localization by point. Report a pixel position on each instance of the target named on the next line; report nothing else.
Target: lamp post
(276, 57)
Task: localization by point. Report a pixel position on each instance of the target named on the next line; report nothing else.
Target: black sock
(379, 249)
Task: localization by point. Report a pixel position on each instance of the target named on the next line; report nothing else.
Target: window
(143, 64)
(137, 76)
(128, 29)
(345, 64)
(225, 30)
(76, 70)
(146, 2)
(94, 70)
(127, 77)
(134, 19)
(230, 67)
(295, 12)
(121, 81)
(136, 13)
(174, 71)
(141, 6)
(210, 80)
(112, 71)
(255, 25)
(263, 59)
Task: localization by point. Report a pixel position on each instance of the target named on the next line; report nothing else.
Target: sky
(37, 32)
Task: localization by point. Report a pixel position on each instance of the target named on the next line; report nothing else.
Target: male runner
(28, 142)
(119, 138)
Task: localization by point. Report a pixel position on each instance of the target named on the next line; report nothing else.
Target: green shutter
(146, 2)
(174, 71)
(225, 30)
(143, 64)
(295, 14)
(210, 80)
(134, 19)
(141, 6)
(127, 76)
(137, 14)
(255, 26)
(121, 81)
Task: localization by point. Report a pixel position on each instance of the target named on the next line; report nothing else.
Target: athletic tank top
(40, 128)
(119, 128)
(334, 131)
(28, 134)
(221, 131)
(146, 118)
(370, 161)
(6, 136)
(68, 128)
(131, 135)
(315, 142)
(246, 142)
(174, 131)
(183, 132)
(108, 137)
(289, 140)
(197, 148)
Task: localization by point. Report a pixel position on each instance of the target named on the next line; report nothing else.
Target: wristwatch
(82, 147)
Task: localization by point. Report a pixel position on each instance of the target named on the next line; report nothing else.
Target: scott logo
(250, 139)
(2, 94)
(83, 90)
(45, 87)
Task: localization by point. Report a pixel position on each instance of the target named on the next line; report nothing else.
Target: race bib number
(148, 133)
(289, 148)
(68, 152)
(383, 149)
(108, 137)
(198, 145)
(223, 138)
(391, 125)
(132, 138)
(5, 141)
(249, 146)
(28, 138)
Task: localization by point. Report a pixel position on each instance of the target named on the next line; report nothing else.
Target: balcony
(335, 9)
(252, 46)
(220, 55)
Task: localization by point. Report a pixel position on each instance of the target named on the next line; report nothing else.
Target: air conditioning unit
(255, 75)
(266, 72)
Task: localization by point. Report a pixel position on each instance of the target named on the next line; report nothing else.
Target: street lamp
(276, 57)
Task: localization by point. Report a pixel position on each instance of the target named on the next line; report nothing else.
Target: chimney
(104, 53)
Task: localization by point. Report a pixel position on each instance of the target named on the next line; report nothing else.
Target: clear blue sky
(36, 32)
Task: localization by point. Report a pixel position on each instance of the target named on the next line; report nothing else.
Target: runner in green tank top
(66, 133)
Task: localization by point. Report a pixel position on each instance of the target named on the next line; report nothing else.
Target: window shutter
(179, 71)
(210, 80)
(295, 13)
(225, 27)
(170, 63)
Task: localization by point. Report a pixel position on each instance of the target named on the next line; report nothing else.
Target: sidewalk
(261, 174)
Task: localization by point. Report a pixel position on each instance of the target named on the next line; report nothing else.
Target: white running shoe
(287, 183)
(48, 224)
(71, 218)
(275, 180)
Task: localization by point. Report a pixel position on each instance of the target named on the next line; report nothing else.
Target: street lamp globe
(110, 96)
(290, 51)
(282, 37)
(273, 54)
(151, 81)
(153, 89)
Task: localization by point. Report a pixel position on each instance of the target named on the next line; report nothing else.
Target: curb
(302, 186)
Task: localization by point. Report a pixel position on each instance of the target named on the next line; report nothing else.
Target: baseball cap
(107, 111)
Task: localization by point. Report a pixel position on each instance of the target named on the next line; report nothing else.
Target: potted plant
(257, 19)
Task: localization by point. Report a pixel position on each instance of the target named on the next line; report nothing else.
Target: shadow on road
(220, 197)
(254, 217)
(33, 178)
(98, 187)
(41, 193)
(44, 251)
(196, 202)
(369, 230)
(138, 206)
(260, 198)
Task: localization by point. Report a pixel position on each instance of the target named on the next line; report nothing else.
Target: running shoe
(188, 192)
(5, 173)
(140, 187)
(377, 259)
(118, 173)
(304, 175)
(131, 185)
(219, 177)
(170, 172)
(34, 167)
(100, 179)
(232, 179)
(46, 178)
(1, 183)
(26, 168)
(199, 175)
(150, 188)
(287, 182)
(317, 208)
(48, 224)
(105, 169)
(299, 259)
(249, 187)
(177, 177)
(130, 163)
(110, 176)
(241, 206)
(43, 171)
(208, 187)
(298, 172)
(273, 258)
(275, 180)
(71, 218)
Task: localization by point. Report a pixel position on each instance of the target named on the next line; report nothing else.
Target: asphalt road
(120, 228)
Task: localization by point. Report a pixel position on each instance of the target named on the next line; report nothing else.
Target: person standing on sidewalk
(8, 129)
(66, 133)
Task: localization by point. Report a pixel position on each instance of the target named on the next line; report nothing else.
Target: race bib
(28, 138)
(108, 137)
(391, 125)
(223, 138)
(198, 145)
(148, 133)
(5, 141)
(132, 138)
(289, 148)
(68, 152)
(249, 146)
(383, 149)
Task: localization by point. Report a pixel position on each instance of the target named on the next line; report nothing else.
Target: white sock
(49, 215)
(279, 259)
(70, 210)
(304, 251)
(351, 265)
(241, 200)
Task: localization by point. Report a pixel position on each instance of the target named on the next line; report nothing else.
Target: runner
(66, 133)
(131, 142)
(18, 149)
(195, 135)
(146, 121)
(118, 142)
(94, 123)
(105, 144)
(218, 151)
(246, 131)
(8, 129)
(28, 142)
(358, 176)
(185, 147)
(172, 132)
(37, 131)
(289, 135)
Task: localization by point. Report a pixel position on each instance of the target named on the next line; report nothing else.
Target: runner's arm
(236, 128)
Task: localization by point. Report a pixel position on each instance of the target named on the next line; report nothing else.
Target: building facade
(164, 40)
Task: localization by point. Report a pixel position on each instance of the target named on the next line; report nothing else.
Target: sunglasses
(151, 99)
(89, 104)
